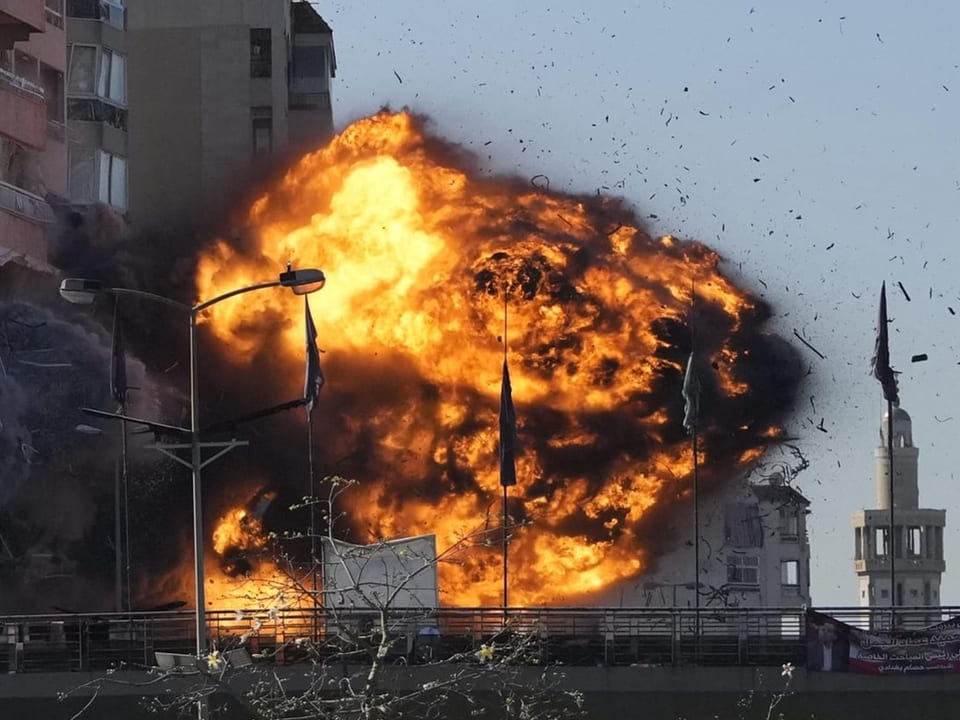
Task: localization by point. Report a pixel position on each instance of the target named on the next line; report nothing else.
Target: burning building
(433, 273)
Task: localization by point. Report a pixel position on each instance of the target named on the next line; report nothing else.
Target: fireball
(434, 275)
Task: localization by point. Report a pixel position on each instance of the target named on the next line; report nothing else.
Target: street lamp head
(88, 429)
(303, 282)
(80, 291)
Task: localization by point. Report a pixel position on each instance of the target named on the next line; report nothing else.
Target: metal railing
(567, 636)
(20, 202)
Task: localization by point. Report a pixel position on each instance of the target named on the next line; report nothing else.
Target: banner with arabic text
(834, 646)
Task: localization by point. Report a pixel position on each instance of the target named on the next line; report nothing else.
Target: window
(260, 51)
(52, 81)
(97, 175)
(310, 61)
(884, 593)
(82, 161)
(112, 77)
(113, 180)
(96, 110)
(880, 542)
(98, 71)
(743, 570)
(54, 12)
(789, 522)
(82, 69)
(913, 542)
(262, 130)
(26, 67)
(110, 11)
(789, 572)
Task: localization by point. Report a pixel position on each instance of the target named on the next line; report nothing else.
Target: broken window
(743, 526)
(789, 522)
(260, 51)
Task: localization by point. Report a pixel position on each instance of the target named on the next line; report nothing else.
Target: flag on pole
(691, 396)
(313, 378)
(881, 354)
(118, 361)
(508, 432)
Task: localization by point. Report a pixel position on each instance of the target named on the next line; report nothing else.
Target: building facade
(917, 534)
(754, 552)
(97, 102)
(215, 91)
(33, 151)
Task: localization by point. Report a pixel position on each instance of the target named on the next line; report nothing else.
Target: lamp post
(83, 292)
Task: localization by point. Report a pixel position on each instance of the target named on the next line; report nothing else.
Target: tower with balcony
(916, 548)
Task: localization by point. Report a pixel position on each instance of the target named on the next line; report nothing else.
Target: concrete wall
(191, 98)
(164, 130)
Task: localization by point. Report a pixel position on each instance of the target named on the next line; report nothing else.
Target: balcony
(23, 16)
(23, 204)
(111, 13)
(23, 111)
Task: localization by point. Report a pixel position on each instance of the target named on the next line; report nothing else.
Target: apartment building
(215, 90)
(33, 151)
(97, 102)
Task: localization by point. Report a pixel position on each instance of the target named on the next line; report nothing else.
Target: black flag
(313, 379)
(881, 354)
(118, 362)
(508, 432)
(691, 396)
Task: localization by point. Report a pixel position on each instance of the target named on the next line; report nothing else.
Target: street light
(82, 291)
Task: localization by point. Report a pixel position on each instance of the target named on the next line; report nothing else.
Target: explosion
(433, 274)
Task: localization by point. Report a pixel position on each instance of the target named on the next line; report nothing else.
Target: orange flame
(421, 258)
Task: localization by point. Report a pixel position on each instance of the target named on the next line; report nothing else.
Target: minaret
(918, 534)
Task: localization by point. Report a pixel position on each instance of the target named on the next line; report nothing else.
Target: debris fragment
(801, 339)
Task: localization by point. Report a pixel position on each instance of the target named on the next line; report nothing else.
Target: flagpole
(696, 481)
(892, 549)
(888, 381)
(504, 519)
(125, 487)
(312, 495)
(313, 381)
(118, 389)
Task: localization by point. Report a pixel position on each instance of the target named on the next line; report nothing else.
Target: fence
(568, 636)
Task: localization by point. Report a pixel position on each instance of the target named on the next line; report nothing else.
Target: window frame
(785, 566)
(261, 53)
(742, 565)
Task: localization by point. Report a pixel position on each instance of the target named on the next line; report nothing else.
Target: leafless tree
(363, 641)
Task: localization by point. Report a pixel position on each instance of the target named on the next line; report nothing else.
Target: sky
(813, 145)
